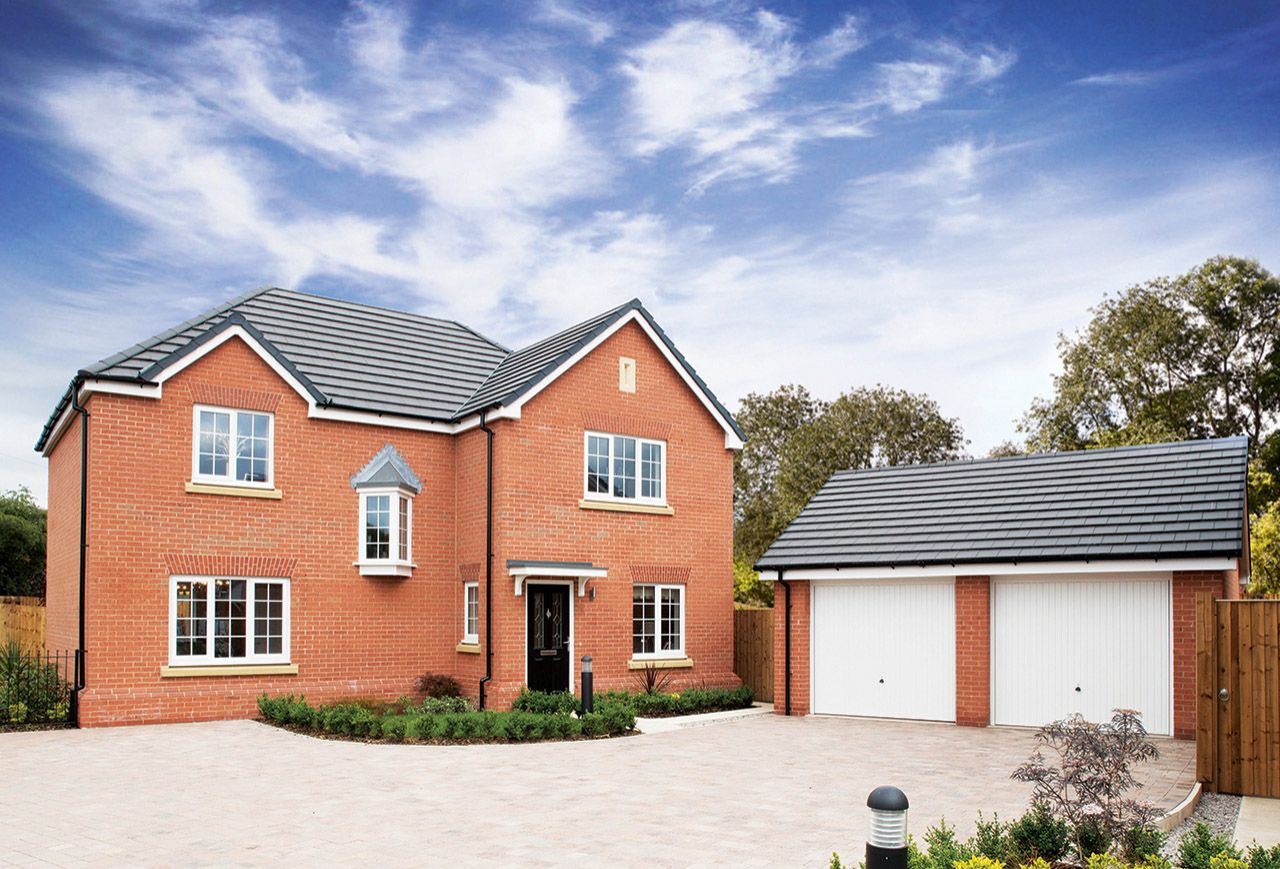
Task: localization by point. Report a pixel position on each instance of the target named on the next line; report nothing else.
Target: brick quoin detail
(973, 651)
(1186, 585)
(799, 648)
(373, 636)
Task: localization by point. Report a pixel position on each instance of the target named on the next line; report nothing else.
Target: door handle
(1223, 694)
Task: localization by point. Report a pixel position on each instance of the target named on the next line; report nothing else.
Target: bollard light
(588, 702)
(887, 843)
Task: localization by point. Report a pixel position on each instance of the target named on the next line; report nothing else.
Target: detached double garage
(1011, 591)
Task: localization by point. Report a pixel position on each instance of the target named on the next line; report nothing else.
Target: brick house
(293, 493)
(1010, 591)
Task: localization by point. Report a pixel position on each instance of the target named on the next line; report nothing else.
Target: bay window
(386, 532)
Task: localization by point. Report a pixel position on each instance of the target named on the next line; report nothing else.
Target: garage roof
(1180, 500)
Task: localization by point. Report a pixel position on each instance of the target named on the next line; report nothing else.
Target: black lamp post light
(887, 844)
(588, 702)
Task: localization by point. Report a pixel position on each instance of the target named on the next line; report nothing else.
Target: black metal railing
(36, 686)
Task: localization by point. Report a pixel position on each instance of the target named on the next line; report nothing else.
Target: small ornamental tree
(1083, 772)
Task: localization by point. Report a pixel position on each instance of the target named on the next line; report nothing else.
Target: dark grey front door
(548, 633)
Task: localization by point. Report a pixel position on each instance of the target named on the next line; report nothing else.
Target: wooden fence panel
(753, 650)
(1238, 696)
(22, 621)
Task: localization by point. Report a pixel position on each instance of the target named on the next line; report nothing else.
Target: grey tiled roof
(1160, 501)
(386, 468)
(360, 357)
(525, 368)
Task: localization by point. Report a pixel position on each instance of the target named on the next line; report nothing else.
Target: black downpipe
(786, 643)
(78, 684)
(488, 558)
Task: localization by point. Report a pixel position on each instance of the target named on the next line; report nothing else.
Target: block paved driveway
(764, 791)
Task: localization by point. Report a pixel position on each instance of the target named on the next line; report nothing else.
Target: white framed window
(386, 532)
(232, 447)
(624, 468)
(228, 620)
(657, 621)
(471, 612)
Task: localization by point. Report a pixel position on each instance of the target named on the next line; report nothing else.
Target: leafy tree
(1172, 359)
(863, 428)
(796, 441)
(1005, 450)
(22, 543)
(768, 420)
(748, 588)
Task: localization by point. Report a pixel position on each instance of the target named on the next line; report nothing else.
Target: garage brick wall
(799, 649)
(973, 651)
(1186, 585)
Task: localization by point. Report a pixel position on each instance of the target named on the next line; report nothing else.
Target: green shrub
(1198, 847)
(943, 848)
(617, 719)
(1261, 857)
(394, 727)
(1227, 861)
(546, 703)
(1091, 838)
(32, 690)
(1038, 834)
(439, 685)
(990, 838)
(1142, 841)
(441, 705)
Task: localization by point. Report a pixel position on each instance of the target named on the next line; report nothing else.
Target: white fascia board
(731, 439)
(87, 388)
(1030, 568)
(369, 417)
(222, 338)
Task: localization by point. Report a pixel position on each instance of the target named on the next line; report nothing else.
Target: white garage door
(1087, 646)
(885, 649)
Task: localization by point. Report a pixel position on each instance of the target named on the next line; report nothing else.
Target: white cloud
(908, 85)
(562, 13)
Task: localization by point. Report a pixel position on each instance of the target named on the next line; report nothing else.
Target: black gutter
(786, 645)
(488, 558)
(1026, 559)
(84, 514)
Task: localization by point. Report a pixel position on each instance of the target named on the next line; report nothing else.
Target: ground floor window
(228, 620)
(657, 621)
(471, 613)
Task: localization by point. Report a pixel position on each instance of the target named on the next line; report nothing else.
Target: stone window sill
(623, 507)
(659, 663)
(468, 648)
(233, 491)
(230, 670)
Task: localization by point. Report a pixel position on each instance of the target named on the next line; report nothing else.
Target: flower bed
(441, 720)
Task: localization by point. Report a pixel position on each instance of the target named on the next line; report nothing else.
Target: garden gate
(1238, 695)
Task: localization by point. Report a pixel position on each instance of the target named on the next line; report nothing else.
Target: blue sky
(916, 194)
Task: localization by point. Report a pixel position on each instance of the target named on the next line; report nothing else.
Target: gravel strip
(1219, 811)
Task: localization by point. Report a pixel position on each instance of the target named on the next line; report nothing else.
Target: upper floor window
(386, 531)
(386, 486)
(625, 468)
(232, 446)
(228, 620)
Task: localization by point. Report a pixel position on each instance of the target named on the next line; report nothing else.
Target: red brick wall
(372, 636)
(1186, 585)
(538, 483)
(973, 651)
(62, 561)
(350, 634)
(800, 600)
